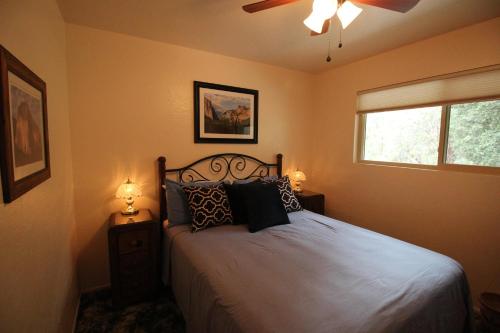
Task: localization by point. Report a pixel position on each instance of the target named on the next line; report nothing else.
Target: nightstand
(315, 202)
(134, 257)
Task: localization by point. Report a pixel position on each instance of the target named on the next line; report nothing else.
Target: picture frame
(24, 147)
(225, 114)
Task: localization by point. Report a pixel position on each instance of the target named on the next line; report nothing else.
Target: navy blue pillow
(251, 180)
(263, 206)
(244, 181)
(289, 199)
(236, 201)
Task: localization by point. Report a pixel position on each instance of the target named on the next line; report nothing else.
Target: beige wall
(454, 213)
(38, 290)
(131, 100)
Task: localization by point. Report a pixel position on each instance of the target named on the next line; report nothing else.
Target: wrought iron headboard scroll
(220, 167)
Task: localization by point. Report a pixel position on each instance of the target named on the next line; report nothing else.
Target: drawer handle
(136, 243)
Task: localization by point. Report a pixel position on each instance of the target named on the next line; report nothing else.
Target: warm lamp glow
(347, 13)
(128, 191)
(298, 176)
(325, 8)
(322, 10)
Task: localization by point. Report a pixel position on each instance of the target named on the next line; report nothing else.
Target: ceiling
(276, 36)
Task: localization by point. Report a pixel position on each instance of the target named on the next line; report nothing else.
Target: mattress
(316, 274)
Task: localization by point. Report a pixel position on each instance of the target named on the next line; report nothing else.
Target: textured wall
(131, 101)
(38, 290)
(454, 213)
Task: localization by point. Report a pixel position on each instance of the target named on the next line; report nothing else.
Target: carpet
(97, 315)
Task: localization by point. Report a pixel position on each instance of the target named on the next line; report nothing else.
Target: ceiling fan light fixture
(322, 10)
(315, 22)
(325, 8)
(347, 13)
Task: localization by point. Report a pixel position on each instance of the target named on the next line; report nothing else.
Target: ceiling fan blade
(263, 5)
(401, 6)
(326, 26)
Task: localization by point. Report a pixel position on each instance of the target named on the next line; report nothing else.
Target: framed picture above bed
(225, 114)
(24, 145)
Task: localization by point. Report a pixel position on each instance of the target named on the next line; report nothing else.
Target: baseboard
(97, 288)
(75, 317)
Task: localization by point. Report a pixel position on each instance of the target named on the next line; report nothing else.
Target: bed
(316, 274)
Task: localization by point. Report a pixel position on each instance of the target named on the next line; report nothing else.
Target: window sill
(439, 167)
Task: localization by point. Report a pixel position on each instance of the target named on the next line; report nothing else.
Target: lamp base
(297, 188)
(130, 210)
(127, 212)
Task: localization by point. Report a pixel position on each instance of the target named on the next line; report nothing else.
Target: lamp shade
(128, 190)
(347, 13)
(322, 10)
(299, 176)
(314, 22)
(325, 8)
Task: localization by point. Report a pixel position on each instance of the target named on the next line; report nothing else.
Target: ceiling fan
(323, 10)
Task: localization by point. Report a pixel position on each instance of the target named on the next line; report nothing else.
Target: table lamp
(298, 177)
(128, 191)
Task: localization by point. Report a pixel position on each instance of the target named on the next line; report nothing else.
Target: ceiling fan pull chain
(340, 3)
(328, 59)
(330, 38)
(340, 37)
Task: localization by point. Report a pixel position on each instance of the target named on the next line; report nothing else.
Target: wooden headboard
(219, 167)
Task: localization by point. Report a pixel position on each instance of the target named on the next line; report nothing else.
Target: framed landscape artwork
(24, 149)
(225, 114)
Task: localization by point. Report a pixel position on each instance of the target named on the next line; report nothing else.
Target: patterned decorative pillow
(177, 207)
(209, 206)
(287, 196)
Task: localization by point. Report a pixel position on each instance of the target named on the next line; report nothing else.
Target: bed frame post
(162, 162)
(279, 163)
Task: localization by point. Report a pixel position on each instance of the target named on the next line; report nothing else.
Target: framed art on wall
(225, 114)
(24, 149)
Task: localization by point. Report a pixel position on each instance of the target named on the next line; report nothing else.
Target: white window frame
(443, 142)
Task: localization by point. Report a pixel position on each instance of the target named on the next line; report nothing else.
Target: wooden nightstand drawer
(133, 241)
(132, 286)
(134, 257)
(133, 262)
(134, 281)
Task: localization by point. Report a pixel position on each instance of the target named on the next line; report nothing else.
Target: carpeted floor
(96, 315)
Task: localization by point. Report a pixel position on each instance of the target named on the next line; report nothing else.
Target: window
(406, 136)
(445, 133)
(474, 134)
